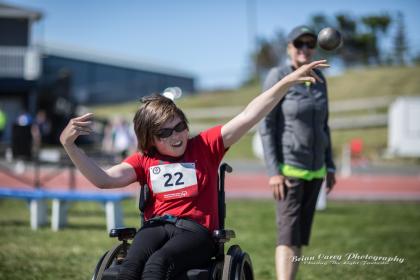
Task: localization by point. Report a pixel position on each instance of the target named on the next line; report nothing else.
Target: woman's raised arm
(261, 105)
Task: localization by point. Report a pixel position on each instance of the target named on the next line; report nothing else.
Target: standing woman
(297, 150)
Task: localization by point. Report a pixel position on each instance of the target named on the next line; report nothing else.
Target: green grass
(382, 81)
(241, 150)
(375, 229)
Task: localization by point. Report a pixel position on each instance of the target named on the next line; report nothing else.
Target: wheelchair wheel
(238, 265)
(216, 270)
(106, 260)
(98, 265)
(245, 271)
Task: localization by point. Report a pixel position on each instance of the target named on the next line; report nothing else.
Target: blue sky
(210, 39)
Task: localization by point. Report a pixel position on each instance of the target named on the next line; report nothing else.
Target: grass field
(379, 230)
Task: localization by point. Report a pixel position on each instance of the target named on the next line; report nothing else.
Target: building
(101, 79)
(57, 79)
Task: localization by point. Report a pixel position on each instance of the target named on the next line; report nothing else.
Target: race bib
(173, 181)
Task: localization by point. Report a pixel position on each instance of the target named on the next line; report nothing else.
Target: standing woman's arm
(260, 106)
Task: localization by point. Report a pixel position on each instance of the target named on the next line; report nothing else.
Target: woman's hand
(305, 73)
(277, 184)
(330, 181)
(76, 126)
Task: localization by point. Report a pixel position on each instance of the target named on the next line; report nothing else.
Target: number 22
(178, 181)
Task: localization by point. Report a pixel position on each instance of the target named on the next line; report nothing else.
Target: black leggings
(162, 251)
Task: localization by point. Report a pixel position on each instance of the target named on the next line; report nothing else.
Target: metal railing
(20, 62)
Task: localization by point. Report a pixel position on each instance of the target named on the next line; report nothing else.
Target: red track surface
(254, 185)
(359, 187)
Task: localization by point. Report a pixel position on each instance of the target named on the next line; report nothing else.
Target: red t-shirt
(185, 187)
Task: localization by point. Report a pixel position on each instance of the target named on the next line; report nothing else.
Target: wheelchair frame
(235, 265)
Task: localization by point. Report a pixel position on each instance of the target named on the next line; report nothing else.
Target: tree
(378, 26)
(319, 21)
(353, 50)
(362, 37)
(270, 53)
(265, 57)
(416, 59)
(400, 41)
(279, 44)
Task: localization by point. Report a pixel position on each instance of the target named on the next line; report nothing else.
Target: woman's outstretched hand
(77, 126)
(306, 73)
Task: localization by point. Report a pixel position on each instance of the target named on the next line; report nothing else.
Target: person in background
(119, 138)
(41, 129)
(3, 123)
(297, 150)
(123, 139)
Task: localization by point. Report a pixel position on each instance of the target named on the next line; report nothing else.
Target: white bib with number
(174, 180)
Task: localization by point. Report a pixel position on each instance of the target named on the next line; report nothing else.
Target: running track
(253, 185)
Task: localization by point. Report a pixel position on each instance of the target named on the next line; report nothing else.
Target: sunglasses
(300, 44)
(166, 132)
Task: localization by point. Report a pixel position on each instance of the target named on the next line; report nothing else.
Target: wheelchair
(234, 265)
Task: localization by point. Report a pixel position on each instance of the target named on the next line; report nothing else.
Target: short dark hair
(154, 111)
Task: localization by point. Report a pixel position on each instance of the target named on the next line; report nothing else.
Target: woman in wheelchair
(181, 175)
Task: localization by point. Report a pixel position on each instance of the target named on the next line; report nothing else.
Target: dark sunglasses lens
(299, 44)
(180, 127)
(311, 44)
(164, 133)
